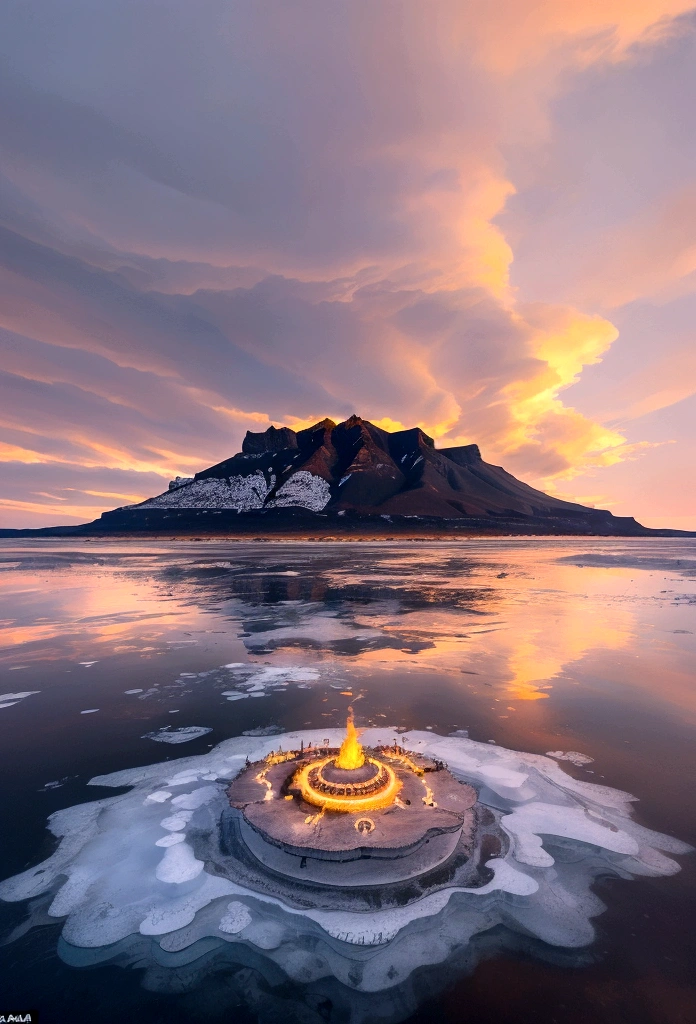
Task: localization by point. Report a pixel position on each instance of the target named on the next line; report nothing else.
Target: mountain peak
(272, 440)
(325, 424)
(356, 466)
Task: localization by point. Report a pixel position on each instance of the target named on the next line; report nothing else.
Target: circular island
(354, 820)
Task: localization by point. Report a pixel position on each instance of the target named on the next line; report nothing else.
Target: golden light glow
(279, 757)
(346, 804)
(262, 780)
(403, 758)
(351, 754)
(350, 796)
(399, 755)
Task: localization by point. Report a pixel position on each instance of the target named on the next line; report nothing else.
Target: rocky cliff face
(356, 466)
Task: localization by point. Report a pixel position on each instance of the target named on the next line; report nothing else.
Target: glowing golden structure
(351, 754)
(349, 782)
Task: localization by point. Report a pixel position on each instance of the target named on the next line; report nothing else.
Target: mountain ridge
(357, 466)
(354, 478)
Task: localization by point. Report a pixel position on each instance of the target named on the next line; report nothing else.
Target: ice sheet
(122, 869)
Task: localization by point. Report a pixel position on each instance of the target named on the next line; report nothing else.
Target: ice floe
(122, 872)
(182, 735)
(264, 730)
(235, 919)
(178, 864)
(160, 796)
(574, 756)
(171, 839)
(8, 699)
(252, 681)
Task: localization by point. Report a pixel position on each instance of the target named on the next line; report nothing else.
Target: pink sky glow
(477, 217)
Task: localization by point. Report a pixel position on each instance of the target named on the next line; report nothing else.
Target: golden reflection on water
(535, 636)
(108, 607)
(508, 623)
(547, 620)
(549, 634)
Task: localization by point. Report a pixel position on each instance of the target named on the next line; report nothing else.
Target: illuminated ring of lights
(365, 787)
(335, 797)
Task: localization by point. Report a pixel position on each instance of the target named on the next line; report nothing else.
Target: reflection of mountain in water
(321, 607)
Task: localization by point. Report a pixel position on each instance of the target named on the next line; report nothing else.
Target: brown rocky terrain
(353, 478)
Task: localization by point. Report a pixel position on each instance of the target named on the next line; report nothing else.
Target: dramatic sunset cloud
(479, 217)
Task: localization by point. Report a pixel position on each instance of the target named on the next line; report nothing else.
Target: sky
(476, 216)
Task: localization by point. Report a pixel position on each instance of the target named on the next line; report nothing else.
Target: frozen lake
(117, 655)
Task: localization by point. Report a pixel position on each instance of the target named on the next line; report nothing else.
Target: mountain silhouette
(356, 467)
(352, 478)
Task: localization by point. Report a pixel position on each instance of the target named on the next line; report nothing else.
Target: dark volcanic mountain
(358, 469)
(352, 478)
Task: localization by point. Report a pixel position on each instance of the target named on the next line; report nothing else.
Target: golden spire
(351, 754)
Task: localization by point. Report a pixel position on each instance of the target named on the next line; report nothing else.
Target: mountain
(352, 476)
(355, 468)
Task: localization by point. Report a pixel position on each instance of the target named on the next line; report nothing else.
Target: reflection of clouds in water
(136, 866)
(310, 625)
(409, 610)
(418, 607)
(660, 561)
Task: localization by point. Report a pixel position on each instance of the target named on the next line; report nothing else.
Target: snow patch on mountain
(305, 489)
(244, 493)
(237, 492)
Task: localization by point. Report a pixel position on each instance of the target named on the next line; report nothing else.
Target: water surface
(537, 645)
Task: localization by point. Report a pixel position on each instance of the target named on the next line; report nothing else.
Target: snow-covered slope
(357, 466)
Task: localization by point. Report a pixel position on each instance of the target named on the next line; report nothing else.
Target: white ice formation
(126, 867)
(8, 699)
(182, 735)
(574, 756)
(252, 681)
(243, 493)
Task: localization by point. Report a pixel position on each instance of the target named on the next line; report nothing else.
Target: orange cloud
(125, 498)
(83, 513)
(385, 283)
(512, 34)
(15, 453)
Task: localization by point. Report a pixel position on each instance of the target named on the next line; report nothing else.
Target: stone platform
(432, 819)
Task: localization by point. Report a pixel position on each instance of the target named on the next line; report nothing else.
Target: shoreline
(302, 525)
(353, 538)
